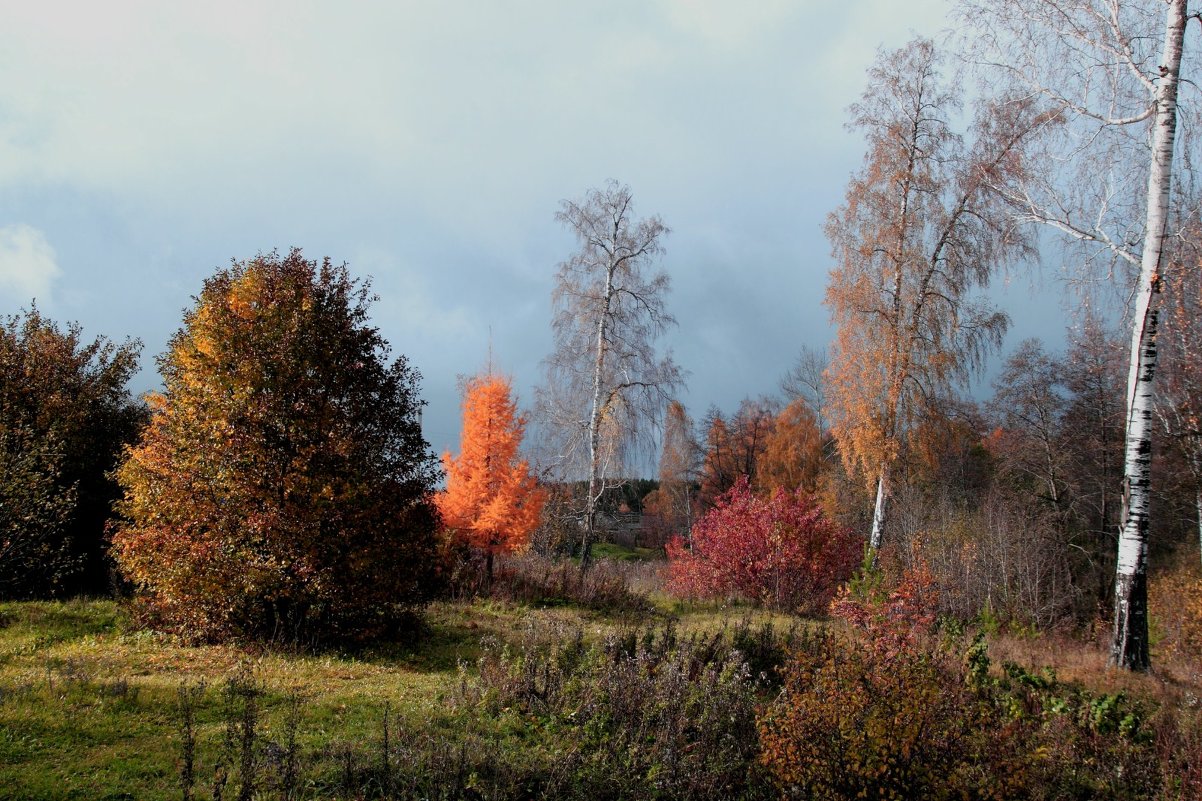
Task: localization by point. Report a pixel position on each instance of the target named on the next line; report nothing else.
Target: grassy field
(89, 706)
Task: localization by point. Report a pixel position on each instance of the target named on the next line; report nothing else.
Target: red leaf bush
(781, 551)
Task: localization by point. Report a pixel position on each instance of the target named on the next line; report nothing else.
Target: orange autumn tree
(792, 457)
(922, 227)
(282, 489)
(492, 502)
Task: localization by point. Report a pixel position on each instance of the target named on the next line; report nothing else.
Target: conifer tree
(492, 502)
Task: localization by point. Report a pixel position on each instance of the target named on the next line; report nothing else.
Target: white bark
(879, 511)
(1094, 61)
(1198, 510)
(605, 385)
(594, 426)
(1130, 645)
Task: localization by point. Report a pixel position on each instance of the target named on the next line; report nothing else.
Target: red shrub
(782, 551)
(902, 612)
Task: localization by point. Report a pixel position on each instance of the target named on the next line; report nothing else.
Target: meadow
(494, 698)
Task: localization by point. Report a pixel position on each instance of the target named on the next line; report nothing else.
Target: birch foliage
(920, 230)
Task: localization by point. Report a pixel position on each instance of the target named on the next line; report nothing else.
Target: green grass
(88, 703)
(621, 553)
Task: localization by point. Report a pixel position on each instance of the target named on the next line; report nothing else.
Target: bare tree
(1093, 371)
(806, 380)
(920, 229)
(606, 385)
(1109, 70)
(1029, 402)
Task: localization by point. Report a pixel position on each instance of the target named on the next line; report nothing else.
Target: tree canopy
(922, 226)
(282, 489)
(65, 414)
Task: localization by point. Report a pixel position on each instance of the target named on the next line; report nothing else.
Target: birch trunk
(879, 512)
(1129, 648)
(608, 311)
(1198, 511)
(594, 427)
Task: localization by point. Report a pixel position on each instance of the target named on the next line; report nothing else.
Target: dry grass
(1174, 678)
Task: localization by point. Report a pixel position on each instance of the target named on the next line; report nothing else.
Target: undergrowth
(507, 700)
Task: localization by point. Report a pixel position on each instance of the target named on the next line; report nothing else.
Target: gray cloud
(429, 144)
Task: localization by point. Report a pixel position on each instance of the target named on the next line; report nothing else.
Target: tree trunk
(879, 512)
(1129, 649)
(1198, 511)
(594, 426)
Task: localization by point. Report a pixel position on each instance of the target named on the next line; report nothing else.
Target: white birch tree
(920, 230)
(1110, 70)
(606, 385)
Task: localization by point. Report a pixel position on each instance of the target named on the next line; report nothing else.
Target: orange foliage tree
(922, 226)
(492, 502)
(734, 448)
(792, 457)
(282, 489)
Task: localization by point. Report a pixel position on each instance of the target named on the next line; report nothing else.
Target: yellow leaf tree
(792, 457)
(923, 226)
(492, 502)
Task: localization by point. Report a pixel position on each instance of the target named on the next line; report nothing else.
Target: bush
(783, 552)
(863, 719)
(282, 490)
(884, 713)
(647, 714)
(1175, 603)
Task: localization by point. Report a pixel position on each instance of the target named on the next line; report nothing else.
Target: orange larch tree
(792, 457)
(492, 501)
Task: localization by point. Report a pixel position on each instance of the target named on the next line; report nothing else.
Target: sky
(143, 145)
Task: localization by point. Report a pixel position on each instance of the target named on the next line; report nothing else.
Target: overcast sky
(143, 145)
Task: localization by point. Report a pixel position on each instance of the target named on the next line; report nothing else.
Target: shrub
(883, 718)
(901, 612)
(282, 489)
(782, 551)
(646, 714)
(1175, 602)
